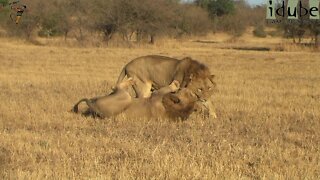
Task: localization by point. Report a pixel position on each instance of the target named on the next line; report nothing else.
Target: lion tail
(122, 75)
(94, 110)
(75, 108)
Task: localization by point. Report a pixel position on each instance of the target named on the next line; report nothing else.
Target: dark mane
(198, 69)
(175, 108)
(195, 69)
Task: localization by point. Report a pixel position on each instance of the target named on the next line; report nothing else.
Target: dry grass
(268, 124)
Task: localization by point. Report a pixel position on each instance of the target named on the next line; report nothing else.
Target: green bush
(221, 7)
(4, 2)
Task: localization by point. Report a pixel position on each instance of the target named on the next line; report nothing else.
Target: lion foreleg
(173, 87)
(209, 107)
(142, 88)
(163, 91)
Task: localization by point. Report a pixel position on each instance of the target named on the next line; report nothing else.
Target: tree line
(145, 20)
(139, 20)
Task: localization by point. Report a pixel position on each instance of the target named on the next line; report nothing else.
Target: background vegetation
(148, 20)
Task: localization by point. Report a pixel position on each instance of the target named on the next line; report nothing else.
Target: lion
(154, 72)
(158, 71)
(109, 105)
(167, 102)
(164, 103)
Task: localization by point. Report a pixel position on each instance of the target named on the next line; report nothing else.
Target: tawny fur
(154, 72)
(159, 71)
(162, 104)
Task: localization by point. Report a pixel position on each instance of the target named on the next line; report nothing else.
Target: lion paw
(175, 86)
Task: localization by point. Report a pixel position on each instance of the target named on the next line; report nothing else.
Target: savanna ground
(268, 107)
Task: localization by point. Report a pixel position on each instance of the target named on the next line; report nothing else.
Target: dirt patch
(206, 42)
(250, 48)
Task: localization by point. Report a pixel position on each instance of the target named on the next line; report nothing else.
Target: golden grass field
(268, 107)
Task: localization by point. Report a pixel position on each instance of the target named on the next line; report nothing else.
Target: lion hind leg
(95, 111)
(142, 88)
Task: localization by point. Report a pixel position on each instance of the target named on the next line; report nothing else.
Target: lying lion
(167, 102)
(162, 103)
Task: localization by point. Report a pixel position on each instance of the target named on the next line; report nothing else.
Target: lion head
(180, 104)
(203, 88)
(199, 80)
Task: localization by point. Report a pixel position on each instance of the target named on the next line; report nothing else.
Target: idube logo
(293, 9)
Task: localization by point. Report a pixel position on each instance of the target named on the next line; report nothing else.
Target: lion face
(203, 88)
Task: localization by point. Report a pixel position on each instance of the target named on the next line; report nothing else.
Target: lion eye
(200, 90)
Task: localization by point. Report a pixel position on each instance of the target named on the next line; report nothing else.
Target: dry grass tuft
(268, 125)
